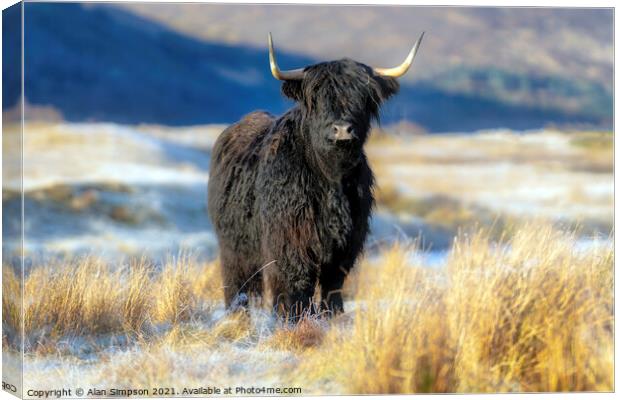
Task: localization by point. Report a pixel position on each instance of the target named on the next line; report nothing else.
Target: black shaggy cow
(290, 197)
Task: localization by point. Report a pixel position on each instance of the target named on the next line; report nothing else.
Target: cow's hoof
(240, 302)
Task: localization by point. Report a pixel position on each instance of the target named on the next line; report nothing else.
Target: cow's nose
(343, 131)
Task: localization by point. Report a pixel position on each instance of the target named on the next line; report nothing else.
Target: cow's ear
(292, 90)
(388, 87)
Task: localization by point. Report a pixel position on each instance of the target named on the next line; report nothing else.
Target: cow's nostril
(349, 129)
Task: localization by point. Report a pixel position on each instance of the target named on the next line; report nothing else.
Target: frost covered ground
(117, 190)
(537, 173)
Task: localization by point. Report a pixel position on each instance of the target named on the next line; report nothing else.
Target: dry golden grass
(87, 296)
(11, 299)
(307, 333)
(397, 342)
(537, 318)
(529, 313)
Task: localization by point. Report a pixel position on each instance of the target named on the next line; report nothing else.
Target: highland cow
(291, 197)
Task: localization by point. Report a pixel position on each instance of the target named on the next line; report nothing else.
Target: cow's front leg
(293, 289)
(332, 280)
(298, 303)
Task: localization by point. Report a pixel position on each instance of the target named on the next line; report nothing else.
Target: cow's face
(339, 100)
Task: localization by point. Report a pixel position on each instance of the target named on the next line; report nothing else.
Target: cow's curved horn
(399, 71)
(293, 74)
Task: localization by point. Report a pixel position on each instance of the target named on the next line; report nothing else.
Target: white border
(483, 3)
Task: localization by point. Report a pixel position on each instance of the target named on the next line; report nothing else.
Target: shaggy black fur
(290, 203)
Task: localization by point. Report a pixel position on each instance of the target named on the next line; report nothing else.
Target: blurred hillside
(102, 64)
(548, 58)
(567, 43)
(182, 64)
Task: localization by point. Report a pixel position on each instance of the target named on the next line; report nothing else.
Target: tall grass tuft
(533, 314)
(11, 305)
(86, 296)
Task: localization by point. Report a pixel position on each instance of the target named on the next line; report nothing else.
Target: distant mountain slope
(101, 63)
(541, 57)
(95, 63)
(564, 42)
(11, 54)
